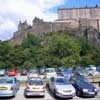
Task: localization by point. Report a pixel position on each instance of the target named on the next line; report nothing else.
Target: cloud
(11, 11)
(6, 29)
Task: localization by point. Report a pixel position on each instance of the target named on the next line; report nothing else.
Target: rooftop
(79, 8)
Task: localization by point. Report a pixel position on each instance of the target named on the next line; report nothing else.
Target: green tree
(64, 47)
(30, 40)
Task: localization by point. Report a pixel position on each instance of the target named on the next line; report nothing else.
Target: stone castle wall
(77, 13)
(44, 27)
(74, 21)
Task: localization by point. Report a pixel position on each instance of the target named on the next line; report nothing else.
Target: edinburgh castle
(76, 21)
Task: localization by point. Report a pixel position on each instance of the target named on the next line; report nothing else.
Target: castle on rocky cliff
(76, 21)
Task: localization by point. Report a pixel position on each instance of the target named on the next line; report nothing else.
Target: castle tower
(22, 26)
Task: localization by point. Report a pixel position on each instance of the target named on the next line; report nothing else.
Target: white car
(33, 73)
(34, 87)
(61, 87)
(92, 70)
(50, 72)
(2, 72)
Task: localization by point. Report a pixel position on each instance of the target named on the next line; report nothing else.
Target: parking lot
(48, 96)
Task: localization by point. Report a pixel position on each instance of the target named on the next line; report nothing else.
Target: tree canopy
(53, 50)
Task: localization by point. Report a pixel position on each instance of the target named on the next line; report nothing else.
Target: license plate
(91, 92)
(3, 88)
(35, 88)
(34, 93)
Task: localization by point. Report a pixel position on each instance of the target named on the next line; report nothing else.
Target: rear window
(61, 81)
(6, 80)
(33, 71)
(50, 70)
(35, 82)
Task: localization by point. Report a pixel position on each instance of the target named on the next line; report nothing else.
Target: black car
(83, 87)
(23, 72)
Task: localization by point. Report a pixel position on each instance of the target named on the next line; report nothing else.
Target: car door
(73, 82)
(16, 84)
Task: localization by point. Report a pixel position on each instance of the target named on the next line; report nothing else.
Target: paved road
(20, 96)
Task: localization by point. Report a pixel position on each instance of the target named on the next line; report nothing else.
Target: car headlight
(58, 91)
(95, 89)
(73, 91)
(85, 90)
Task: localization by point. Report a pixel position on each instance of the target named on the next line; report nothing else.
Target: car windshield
(33, 71)
(2, 80)
(35, 82)
(50, 70)
(2, 70)
(98, 69)
(61, 81)
(82, 81)
(67, 71)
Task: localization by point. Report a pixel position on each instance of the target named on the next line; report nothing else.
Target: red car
(11, 73)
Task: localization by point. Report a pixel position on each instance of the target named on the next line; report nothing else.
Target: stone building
(75, 21)
(79, 13)
(86, 17)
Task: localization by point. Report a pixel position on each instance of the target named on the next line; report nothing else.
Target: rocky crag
(76, 27)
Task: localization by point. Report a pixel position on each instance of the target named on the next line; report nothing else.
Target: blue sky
(12, 11)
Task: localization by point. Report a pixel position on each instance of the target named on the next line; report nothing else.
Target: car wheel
(26, 96)
(55, 94)
(43, 96)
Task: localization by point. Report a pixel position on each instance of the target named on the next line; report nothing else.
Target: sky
(13, 11)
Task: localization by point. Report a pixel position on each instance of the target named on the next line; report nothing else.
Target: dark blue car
(83, 87)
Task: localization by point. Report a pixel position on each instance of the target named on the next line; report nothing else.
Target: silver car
(2, 72)
(33, 73)
(34, 87)
(8, 86)
(50, 72)
(61, 87)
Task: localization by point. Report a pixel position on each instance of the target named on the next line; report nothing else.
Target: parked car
(34, 87)
(81, 71)
(83, 87)
(61, 87)
(42, 73)
(50, 72)
(98, 69)
(33, 73)
(67, 73)
(2, 72)
(8, 86)
(92, 70)
(11, 73)
(59, 69)
(23, 72)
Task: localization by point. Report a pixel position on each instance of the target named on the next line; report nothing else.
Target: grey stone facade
(77, 13)
(77, 22)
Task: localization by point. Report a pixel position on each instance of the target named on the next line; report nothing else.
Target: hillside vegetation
(52, 50)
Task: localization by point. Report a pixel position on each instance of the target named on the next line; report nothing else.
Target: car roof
(59, 77)
(7, 77)
(50, 68)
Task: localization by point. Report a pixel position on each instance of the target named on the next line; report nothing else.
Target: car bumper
(7, 94)
(34, 93)
(91, 94)
(65, 95)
